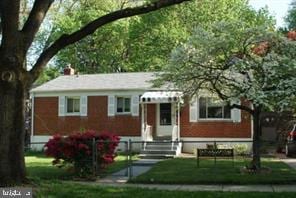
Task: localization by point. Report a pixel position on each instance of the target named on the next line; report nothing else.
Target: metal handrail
(147, 136)
(174, 135)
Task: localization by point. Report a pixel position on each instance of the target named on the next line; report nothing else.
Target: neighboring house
(126, 104)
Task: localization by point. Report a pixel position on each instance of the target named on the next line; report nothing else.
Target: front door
(164, 119)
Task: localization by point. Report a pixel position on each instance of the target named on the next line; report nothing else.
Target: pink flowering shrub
(292, 35)
(77, 149)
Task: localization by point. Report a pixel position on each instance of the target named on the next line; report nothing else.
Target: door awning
(161, 97)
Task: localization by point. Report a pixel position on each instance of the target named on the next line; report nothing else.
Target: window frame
(66, 106)
(130, 105)
(159, 115)
(212, 119)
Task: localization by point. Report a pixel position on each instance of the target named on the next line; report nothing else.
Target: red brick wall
(47, 122)
(219, 129)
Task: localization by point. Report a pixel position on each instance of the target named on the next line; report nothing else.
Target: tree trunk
(12, 110)
(256, 163)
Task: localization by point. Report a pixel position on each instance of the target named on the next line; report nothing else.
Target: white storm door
(164, 117)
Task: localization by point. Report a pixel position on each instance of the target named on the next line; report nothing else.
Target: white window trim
(66, 106)
(211, 119)
(215, 119)
(72, 114)
(123, 113)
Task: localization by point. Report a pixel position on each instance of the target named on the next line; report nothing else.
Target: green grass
(49, 181)
(39, 167)
(70, 190)
(185, 171)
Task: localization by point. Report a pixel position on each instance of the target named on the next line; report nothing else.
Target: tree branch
(0, 22)
(91, 27)
(9, 11)
(242, 107)
(225, 97)
(217, 90)
(35, 20)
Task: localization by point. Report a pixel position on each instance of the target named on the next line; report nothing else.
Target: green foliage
(236, 60)
(101, 52)
(78, 149)
(154, 35)
(291, 17)
(239, 149)
(48, 74)
(141, 43)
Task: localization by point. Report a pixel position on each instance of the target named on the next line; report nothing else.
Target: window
(165, 114)
(123, 105)
(73, 105)
(211, 108)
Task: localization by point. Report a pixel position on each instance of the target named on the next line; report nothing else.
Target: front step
(146, 162)
(155, 156)
(160, 150)
(161, 146)
(163, 138)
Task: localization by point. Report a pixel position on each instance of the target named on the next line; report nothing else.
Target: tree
(235, 61)
(152, 45)
(105, 50)
(15, 79)
(141, 43)
(47, 74)
(291, 17)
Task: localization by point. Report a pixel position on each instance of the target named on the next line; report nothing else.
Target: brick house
(127, 105)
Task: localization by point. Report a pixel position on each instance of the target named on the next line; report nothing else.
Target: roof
(94, 82)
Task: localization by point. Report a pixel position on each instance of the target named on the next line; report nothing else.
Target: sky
(277, 8)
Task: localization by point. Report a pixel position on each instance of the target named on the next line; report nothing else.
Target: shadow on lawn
(185, 171)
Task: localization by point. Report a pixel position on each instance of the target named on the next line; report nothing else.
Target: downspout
(32, 114)
(252, 123)
(179, 135)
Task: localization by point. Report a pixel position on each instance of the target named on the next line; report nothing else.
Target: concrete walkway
(139, 167)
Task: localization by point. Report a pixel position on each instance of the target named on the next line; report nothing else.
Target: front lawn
(39, 166)
(185, 171)
(48, 182)
(65, 190)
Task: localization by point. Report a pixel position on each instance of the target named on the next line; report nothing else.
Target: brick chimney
(68, 70)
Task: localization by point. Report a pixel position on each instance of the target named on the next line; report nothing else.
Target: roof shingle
(113, 81)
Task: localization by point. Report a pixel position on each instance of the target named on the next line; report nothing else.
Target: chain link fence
(134, 154)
